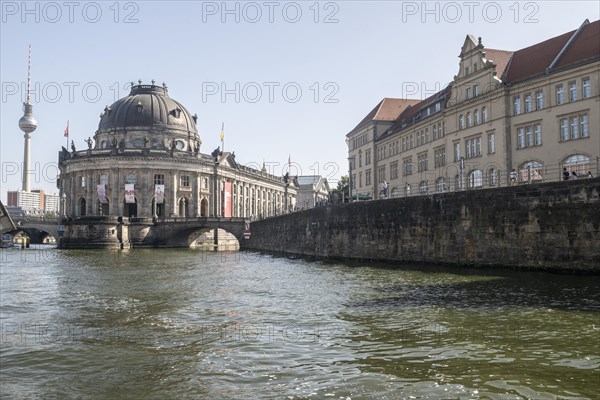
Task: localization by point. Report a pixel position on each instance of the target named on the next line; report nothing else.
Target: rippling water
(184, 324)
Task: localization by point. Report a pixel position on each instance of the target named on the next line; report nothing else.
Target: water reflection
(186, 324)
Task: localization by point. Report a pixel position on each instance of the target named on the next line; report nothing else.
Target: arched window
(82, 207)
(530, 171)
(440, 185)
(458, 182)
(469, 120)
(484, 114)
(578, 163)
(474, 179)
(461, 121)
(476, 117)
(407, 190)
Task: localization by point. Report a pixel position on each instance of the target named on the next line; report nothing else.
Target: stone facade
(535, 110)
(552, 226)
(149, 144)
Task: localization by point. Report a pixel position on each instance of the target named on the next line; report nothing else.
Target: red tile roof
(534, 60)
(585, 47)
(387, 109)
(498, 57)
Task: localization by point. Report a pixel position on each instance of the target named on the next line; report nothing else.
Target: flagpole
(223, 136)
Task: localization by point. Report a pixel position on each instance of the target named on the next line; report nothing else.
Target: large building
(35, 201)
(532, 112)
(313, 191)
(145, 162)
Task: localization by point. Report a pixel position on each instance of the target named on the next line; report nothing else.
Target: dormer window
(176, 112)
(140, 108)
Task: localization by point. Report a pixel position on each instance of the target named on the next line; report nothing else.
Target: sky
(287, 79)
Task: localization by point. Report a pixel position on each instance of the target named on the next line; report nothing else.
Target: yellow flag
(222, 136)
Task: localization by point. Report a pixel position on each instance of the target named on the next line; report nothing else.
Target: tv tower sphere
(27, 123)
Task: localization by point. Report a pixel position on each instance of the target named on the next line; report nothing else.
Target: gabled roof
(569, 49)
(387, 109)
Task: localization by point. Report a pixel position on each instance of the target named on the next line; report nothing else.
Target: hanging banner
(129, 193)
(159, 193)
(102, 194)
(227, 200)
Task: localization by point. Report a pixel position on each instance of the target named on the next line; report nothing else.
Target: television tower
(27, 124)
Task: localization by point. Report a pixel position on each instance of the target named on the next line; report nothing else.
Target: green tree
(341, 191)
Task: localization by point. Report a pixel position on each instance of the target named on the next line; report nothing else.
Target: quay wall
(550, 226)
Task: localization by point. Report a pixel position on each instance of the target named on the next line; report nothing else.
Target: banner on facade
(102, 194)
(159, 193)
(227, 200)
(129, 193)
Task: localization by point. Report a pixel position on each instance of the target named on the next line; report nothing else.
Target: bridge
(124, 232)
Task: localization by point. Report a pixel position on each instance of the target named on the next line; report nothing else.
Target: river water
(185, 324)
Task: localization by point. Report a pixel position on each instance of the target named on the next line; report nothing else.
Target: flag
(222, 136)
(159, 193)
(102, 194)
(67, 130)
(129, 193)
(289, 160)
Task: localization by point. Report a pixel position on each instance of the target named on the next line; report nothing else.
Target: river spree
(185, 324)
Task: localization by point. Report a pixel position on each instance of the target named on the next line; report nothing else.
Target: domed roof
(147, 106)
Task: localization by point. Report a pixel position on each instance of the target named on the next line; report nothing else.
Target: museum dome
(147, 106)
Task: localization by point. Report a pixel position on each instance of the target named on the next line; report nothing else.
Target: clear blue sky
(343, 57)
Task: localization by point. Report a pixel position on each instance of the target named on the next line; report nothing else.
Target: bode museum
(144, 166)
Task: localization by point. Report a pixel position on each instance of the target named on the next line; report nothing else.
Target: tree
(342, 189)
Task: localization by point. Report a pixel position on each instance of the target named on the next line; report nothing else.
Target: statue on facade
(89, 142)
(73, 146)
(114, 142)
(216, 153)
(146, 141)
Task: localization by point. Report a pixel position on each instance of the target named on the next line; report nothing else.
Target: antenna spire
(29, 75)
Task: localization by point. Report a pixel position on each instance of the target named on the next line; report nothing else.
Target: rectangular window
(367, 156)
(527, 103)
(354, 181)
(574, 127)
(473, 147)
(564, 129)
(537, 131)
(435, 131)
(439, 157)
(407, 167)
(422, 162)
(586, 88)
(438, 106)
(457, 151)
(529, 136)
(159, 179)
(517, 105)
(520, 138)
(585, 130)
(185, 181)
(381, 174)
(475, 90)
(204, 183)
(368, 177)
(360, 179)
(572, 91)
(394, 170)
(468, 93)
(82, 181)
(560, 95)
(491, 143)
(539, 100)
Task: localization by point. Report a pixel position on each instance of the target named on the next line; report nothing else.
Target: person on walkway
(589, 174)
(573, 175)
(566, 175)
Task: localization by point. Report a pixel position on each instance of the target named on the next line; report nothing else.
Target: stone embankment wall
(553, 226)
